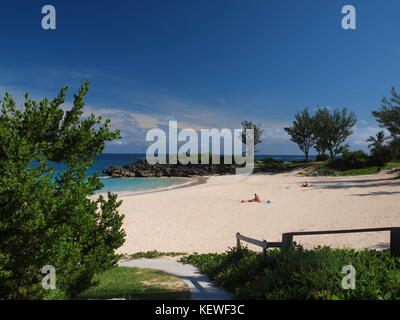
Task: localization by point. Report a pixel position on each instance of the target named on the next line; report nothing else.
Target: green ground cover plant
(152, 254)
(302, 274)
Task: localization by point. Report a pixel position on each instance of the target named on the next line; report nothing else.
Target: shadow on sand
(347, 184)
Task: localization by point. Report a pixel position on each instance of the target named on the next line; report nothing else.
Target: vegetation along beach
(199, 150)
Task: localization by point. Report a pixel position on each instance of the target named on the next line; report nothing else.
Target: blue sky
(207, 64)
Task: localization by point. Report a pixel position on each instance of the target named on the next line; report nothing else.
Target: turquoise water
(106, 160)
(139, 184)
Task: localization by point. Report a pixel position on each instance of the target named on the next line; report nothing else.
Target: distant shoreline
(193, 181)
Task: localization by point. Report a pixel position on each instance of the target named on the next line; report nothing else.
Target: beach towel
(266, 202)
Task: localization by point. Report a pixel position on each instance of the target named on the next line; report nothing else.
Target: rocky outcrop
(118, 172)
(142, 168)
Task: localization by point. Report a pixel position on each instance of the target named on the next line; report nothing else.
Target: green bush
(48, 219)
(301, 161)
(152, 254)
(321, 170)
(395, 147)
(302, 274)
(273, 164)
(382, 155)
(351, 160)
(360, 160)
(322, 157)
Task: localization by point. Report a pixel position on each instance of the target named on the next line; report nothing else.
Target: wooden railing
(263, 243)
(287, 238)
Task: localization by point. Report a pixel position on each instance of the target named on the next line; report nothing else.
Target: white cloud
(362, 133)
(160, 109)
(275, 135)
(146, 121)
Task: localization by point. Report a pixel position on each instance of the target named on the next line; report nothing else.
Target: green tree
(389, 117)
(302, 131)
(257, 130)
(378, 141)
(380, 152)
(48, 218)
(389, 114)
(331, 130)
(320, 118)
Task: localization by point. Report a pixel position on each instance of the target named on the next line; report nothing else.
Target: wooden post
(265, 247)
(287, 241)
(395, 242)
(238, 240)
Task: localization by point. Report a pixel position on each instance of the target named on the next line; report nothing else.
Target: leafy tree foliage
(389, 114)
(351, 160)
(378, 141)
(321, 143)
(331, 130)
(389, 117)
(48, 218)
(302, 131)
(257, 130)
(394, 145)
(381, 153)
(325, 131)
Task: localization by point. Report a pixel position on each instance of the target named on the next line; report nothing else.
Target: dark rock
(118, 172)
(141, 168)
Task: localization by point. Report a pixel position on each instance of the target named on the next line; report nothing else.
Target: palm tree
(378, 141)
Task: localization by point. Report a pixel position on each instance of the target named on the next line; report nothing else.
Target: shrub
(320, 170)
(271, 161)
(301, 161)
(395, 147)
(302, 274)
(351, 160)
(382, 155)
(322, 157)
(48, 219)
(269, 164)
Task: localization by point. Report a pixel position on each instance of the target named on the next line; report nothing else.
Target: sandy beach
(205, 217)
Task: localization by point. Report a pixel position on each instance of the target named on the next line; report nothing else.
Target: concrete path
(199, 285)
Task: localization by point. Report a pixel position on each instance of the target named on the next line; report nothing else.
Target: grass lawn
(132, 284)
(392, 165)
(324, 170)
(370, 170)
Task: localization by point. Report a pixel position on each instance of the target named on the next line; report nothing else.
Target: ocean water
(283, 157)
(106, 160)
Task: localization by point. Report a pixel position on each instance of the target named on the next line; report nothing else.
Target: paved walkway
(199, 285)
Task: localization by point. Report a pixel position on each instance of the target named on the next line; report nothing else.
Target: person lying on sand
(255, 199)
(306, 185)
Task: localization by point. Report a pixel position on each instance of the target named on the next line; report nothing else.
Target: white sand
(206, 217)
